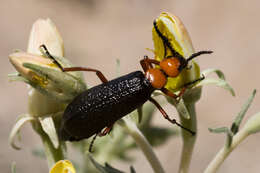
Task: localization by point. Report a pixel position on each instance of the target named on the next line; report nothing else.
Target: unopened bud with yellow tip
(173, 29)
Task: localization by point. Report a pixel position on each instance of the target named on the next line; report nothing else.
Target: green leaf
(235, 125)
(17, 77)
(60, 86)
(241, 114)
(18, 125)
(158, 135)
(182, 109)
(224, 130)
(218, 82)
(104, 169)
(180, 106)
(48, 127)
(219, 130)
(213, 70)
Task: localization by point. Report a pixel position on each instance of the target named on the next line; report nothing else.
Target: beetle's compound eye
(156, 77)
(170, 66)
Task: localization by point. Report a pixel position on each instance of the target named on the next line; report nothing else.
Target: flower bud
(172, 28)
(19, 58)
(42, 74)
(45, 32)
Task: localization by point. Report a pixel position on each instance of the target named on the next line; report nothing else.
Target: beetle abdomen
(104, 104)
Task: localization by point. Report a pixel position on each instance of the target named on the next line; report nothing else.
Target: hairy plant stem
(224, 152)
(142, 142)
(187, 114)
(187, 138)
(52, 154)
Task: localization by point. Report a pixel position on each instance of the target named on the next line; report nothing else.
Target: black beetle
(104, 104)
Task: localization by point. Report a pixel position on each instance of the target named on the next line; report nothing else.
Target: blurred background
(97, 32)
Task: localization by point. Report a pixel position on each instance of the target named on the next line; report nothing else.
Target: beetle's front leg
(172, 95)
(146, 63)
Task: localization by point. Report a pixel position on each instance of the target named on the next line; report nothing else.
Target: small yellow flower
(63, 166)
(172, 28)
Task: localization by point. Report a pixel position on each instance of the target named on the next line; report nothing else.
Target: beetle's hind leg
(92, 143)
(106, 131)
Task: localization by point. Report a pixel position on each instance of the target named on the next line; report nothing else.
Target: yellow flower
(174, 30)
(63, 166)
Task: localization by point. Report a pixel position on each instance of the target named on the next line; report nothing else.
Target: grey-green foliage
(230, 132)
(107, 168)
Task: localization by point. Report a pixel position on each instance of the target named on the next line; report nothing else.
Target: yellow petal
(174, 30)
(63, 166)
(172, 27)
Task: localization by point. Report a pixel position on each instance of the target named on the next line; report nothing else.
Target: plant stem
(224, 152)
(188, 139)
(52, 154)
(141, 141)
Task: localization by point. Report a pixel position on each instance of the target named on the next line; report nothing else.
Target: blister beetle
(101, 106)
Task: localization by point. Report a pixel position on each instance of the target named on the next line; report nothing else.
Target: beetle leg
(66, 69)
(169, 93)
(173, 121)
(172, 95)
(193, 82)
(92, 143)
(106, 131)
(146, 63)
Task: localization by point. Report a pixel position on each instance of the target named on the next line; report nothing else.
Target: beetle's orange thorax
(156, 78)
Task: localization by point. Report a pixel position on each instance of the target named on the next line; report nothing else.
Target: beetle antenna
(194, 55)
(194, 81)
(47, 53)
(92, 143)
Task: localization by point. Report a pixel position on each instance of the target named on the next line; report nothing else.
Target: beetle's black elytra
(102, 105)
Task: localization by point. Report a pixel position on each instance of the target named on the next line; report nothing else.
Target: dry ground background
(96, 33)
